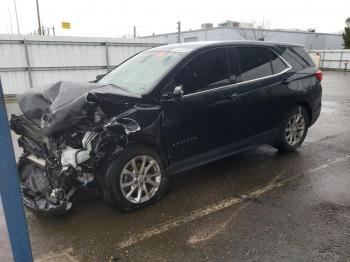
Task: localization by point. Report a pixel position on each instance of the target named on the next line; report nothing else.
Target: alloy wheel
(140, 179)
(295, 129)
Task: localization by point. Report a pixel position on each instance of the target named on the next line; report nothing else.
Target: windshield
(142, 72)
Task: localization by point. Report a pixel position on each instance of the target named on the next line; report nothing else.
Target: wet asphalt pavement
(259, 205)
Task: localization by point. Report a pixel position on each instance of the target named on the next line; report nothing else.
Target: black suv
(162, 111)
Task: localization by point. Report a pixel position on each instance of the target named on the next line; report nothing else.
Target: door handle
(231, 96)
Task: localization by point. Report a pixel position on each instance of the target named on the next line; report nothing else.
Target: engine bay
(68, 139)
(53, 167)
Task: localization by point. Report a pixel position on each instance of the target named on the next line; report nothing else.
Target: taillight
(319, 75)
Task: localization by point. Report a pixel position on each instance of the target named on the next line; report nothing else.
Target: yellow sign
(65, 25)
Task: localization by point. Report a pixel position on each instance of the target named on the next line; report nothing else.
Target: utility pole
(17, 18)
(134, 31)
(38, 13)
(179, 32)
(10, 21)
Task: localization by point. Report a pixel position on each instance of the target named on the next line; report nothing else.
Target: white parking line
(64, 256)
(210, 232)
(199, 213)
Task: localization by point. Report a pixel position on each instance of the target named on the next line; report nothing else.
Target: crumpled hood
(63, 104)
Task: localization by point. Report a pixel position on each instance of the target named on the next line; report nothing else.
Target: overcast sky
(116, 18)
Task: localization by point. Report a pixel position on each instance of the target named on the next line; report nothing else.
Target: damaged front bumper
(42, 205)
(69, 134)
(52, 169)
(38, 192)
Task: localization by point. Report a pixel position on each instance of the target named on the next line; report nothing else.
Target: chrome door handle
(232, 96)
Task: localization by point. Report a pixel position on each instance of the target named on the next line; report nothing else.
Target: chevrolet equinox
(162, 111)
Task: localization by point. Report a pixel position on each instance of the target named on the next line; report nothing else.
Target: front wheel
(137, 177)
(293, 130)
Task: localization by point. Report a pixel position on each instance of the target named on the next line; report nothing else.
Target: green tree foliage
(346, 34)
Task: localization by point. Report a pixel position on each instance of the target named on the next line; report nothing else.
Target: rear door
(304, 76)
(262, 90)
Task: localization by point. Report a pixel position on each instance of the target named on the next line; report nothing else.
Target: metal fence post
(341, 59)
(11, 193)
(28, 63)
(107, 56)
(322, 58)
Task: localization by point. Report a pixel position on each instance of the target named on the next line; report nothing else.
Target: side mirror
(178, 92)
(176, 95)
(98, 77)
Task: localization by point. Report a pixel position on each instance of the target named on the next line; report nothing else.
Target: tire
(122, 172)
(289, 136)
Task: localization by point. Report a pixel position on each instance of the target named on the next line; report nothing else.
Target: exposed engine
(52, 168)
(70, 132)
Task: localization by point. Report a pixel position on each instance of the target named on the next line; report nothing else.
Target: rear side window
(303, 55)
(204, 72)
(297, 57)
(254, 62)
(277, 64)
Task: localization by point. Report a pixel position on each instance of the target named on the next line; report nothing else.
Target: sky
(114, 18)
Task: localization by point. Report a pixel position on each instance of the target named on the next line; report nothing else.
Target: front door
(201, 120)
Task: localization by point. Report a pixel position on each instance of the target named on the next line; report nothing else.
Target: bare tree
(256, 30)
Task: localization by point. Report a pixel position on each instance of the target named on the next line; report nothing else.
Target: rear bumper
(315, 116)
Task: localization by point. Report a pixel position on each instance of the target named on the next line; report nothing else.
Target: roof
(241, 28)
(191, 46)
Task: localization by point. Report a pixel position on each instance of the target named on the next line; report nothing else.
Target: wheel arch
(307, 107)
(110, 189)
(102, 171)
(160, 151)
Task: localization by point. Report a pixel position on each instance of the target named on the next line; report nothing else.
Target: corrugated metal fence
(33, 61)
(334, 59)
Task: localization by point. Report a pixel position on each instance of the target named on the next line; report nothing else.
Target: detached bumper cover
(44, 205)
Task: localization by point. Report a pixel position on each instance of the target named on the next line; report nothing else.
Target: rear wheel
(293, 130)
(137, 177)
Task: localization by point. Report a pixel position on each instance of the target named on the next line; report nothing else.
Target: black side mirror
(178, 92)
(98, 77)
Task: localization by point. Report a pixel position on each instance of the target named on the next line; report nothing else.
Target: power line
(10, 21)
(16, 17)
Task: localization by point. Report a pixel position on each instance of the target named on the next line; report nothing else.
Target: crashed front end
(67, 137)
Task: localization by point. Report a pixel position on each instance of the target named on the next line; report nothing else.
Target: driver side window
(204, 72)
